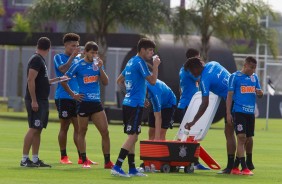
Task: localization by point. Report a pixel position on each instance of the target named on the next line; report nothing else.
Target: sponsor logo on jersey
(90, 79)
(248, 89)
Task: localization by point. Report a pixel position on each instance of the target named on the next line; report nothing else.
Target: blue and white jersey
(244, 88)
(160, 95)
(87, 79)
(135, 73)
(214, 78)
(61, 59)
(188, 87)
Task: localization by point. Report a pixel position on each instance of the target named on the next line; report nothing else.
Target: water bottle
(154, 57)
(153, 168)
(185, 135)
(95, 64)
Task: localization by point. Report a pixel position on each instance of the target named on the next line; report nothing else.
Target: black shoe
(250, 165)
(27, 163)
(225, 171)
(40, 163)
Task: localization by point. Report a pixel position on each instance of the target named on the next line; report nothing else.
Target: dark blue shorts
(132, 117)
(39, 119)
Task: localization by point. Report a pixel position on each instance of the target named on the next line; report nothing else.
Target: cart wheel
(174, 169)
(165, 168)
(142, 165)
(189, 169)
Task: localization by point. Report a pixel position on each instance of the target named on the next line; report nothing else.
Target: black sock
(237, 162)
(83, 157)
(107, 158)
(63, 153)
(243, 163)
(122, 155)
(131, 161)
(196, 162)
(230, 162)
(249, 158)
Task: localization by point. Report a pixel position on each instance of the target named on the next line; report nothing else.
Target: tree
(103, 16)
(2, 10)
(20, 25)
(225, 19)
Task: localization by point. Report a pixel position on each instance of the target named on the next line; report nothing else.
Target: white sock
(34, 158)
(25, 157)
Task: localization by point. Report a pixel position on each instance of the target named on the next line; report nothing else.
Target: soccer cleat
(27, 163)
(89, 161)
(109, 165)
(117, 171)
(65, 160)
(250, 165)
(236, 171)
(40, 163)
(86, 165)
(200, 167)
(225, 171)
(247, 172)
(135, 172)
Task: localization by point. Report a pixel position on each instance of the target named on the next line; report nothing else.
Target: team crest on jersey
(37, 122)
(239, 127)
(253, 78)
(65, 114)
(128, 128)
(182, 151)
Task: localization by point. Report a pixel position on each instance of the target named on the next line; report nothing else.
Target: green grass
(267, 157)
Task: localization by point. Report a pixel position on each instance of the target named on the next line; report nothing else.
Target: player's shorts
(66, 108)
(132, 117)
(87, 108)
(179, 115)
(167, 118)
(244, 123)
(39, 119)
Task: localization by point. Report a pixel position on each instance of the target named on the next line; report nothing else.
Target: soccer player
(242, 91)
(214, 78)
(163, 101)
(189, 85)
(88, 75)
(133, 76)
(36, 102)
(65, 104)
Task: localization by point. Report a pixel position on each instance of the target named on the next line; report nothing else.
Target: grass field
(267, 157)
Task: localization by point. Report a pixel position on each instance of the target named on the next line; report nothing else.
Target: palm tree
(225, 19)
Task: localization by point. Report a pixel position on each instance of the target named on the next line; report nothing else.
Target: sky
(275, 4)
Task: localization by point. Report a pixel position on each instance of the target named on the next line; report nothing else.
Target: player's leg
(100, 121)
(249, 144)
(83, 126)
(74, 122)
(151, 122)
(62, 139)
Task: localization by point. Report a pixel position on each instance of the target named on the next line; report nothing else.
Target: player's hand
(147, 103)
(34, 106)
(189, 125)
(259, 93)
(157, 61)
(229, 119)
(100, 62)
(75, 52)
(78, 97)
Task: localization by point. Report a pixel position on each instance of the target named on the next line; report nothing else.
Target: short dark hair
(91, 46)
(71, 37)
(43, 43)
(194, 62)
(145, 43)
(192, 53)
(250, 59)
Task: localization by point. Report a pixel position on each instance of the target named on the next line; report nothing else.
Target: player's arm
(259, 93)
(103, 76)
(153, 78)
(67, 88)
(229, 100)
(203, 107)
(65, 67)
(158, 125)
(32, 74)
